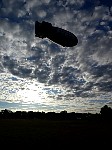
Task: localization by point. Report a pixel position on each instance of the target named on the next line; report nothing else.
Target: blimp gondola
(58, 35)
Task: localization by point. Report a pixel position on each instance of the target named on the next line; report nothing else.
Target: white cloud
(46, 1)
(41, 14)
(99, 12)
(75, 2)
(34, 4)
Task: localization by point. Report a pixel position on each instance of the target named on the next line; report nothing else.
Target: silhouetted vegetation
(62, 130)
(105, 113)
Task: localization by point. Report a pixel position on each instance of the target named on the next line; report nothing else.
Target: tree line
(105, 113)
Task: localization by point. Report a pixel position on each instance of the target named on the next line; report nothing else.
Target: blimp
(55, 34)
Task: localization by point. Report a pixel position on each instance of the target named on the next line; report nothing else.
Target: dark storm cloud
(42, 73)
(15, 68)
(38, 54)
(58, 60)
(69, 75)
(13, 9)
(8, 63)
(105, 86)
(53, 48)
(55, 78)
(25, 72)
(101, 70)
(101, 75)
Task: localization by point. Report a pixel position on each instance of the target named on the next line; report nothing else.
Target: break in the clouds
(84, 71)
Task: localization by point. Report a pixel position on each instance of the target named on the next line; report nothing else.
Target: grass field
(23, 133)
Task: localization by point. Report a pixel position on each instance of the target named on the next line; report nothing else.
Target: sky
(40, 75)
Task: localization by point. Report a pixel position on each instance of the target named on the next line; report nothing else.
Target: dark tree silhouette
(106, 112)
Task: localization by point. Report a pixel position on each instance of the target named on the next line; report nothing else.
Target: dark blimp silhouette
(55, 34)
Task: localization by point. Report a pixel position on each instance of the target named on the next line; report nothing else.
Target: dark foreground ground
(53, 134)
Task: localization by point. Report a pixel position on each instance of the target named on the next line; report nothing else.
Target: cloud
(84, 69)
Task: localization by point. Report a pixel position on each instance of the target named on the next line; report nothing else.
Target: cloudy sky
(37, 74)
